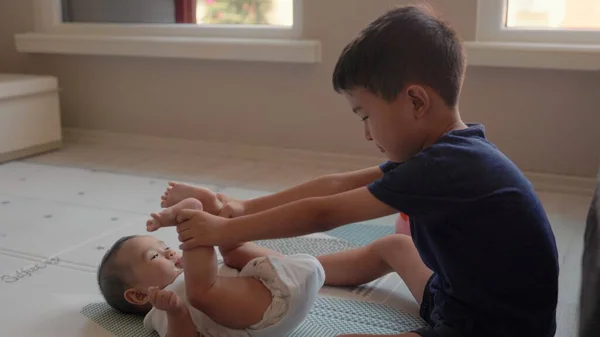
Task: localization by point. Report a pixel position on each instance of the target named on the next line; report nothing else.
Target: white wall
(546, 121)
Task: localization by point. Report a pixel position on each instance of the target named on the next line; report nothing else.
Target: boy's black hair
(409, 44)
(114, 279)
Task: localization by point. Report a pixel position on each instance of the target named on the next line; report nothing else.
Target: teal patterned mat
(362, 234)
(341, 238)
(329, 317)
(308, 245)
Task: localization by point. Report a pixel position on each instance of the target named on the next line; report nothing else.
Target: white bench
(29, 115)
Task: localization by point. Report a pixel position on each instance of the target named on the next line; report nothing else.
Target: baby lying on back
(185, 295)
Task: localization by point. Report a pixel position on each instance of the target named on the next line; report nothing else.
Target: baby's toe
(150, 225)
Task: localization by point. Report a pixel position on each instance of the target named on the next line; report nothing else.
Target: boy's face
(396, 127)
(151, 262)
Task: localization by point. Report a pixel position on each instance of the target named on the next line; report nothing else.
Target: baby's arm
(179, 322)
(234, 302)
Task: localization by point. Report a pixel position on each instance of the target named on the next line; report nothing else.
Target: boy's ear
(135, 296)
(419, 99)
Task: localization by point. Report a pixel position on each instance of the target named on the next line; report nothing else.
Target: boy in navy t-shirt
(482, 260)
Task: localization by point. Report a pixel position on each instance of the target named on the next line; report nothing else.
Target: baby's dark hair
(115, 278)
(409, 44)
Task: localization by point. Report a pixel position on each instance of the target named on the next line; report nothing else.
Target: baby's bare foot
(177, 192)
(167, 217)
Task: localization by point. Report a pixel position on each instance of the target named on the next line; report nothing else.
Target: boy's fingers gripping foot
(167, 217)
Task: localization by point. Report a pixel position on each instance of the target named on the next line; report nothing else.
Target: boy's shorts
(430, 313)
(460, 325)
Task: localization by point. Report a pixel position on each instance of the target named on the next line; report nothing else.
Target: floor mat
(58, 223)
(362, 234)
(308, 245)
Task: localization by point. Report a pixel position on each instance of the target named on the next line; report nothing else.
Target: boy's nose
(368, 133)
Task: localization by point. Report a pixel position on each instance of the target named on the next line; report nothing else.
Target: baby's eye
(154, 256)
(167, 248)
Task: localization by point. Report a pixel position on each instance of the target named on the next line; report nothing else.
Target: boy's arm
(307, 216)
(298, 218)
(180, 324)
(319, 187)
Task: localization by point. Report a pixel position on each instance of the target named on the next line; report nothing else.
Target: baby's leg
(167, 216)
(234, 302)
(394, 253)
(238, 256)
(177, 192)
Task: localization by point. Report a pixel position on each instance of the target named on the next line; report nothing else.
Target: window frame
(49, 20)
(491, 27)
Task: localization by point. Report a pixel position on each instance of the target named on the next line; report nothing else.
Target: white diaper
(294, 282)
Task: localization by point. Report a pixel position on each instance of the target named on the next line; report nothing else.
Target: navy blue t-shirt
(479, 226)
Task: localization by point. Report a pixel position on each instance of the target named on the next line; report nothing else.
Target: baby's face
(152, 263)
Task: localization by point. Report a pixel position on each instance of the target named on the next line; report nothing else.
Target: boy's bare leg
(394, 253)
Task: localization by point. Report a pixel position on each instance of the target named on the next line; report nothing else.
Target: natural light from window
(246, 12)
(554, 14)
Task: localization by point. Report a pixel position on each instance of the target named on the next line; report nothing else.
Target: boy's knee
(394, 243)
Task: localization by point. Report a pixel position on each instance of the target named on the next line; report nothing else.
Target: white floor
(35, 200)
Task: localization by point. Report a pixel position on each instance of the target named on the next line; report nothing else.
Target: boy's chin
(392, 158)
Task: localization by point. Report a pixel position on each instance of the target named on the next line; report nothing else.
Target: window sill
(264, 50)
(534, 55)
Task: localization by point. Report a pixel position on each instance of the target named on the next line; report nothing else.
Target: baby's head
(131, 266)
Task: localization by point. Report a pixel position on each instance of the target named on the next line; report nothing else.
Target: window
(554, 14)
(540, 21)
(254, 12)
(208, 18)
(243, 12)
(252, 30)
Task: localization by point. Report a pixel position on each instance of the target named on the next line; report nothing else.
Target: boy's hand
(232, 208)
(198, 228)
(164, 300)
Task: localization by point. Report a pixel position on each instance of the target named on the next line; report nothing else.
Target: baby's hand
(164, 300)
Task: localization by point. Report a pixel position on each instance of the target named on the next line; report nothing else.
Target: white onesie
(294, 282)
